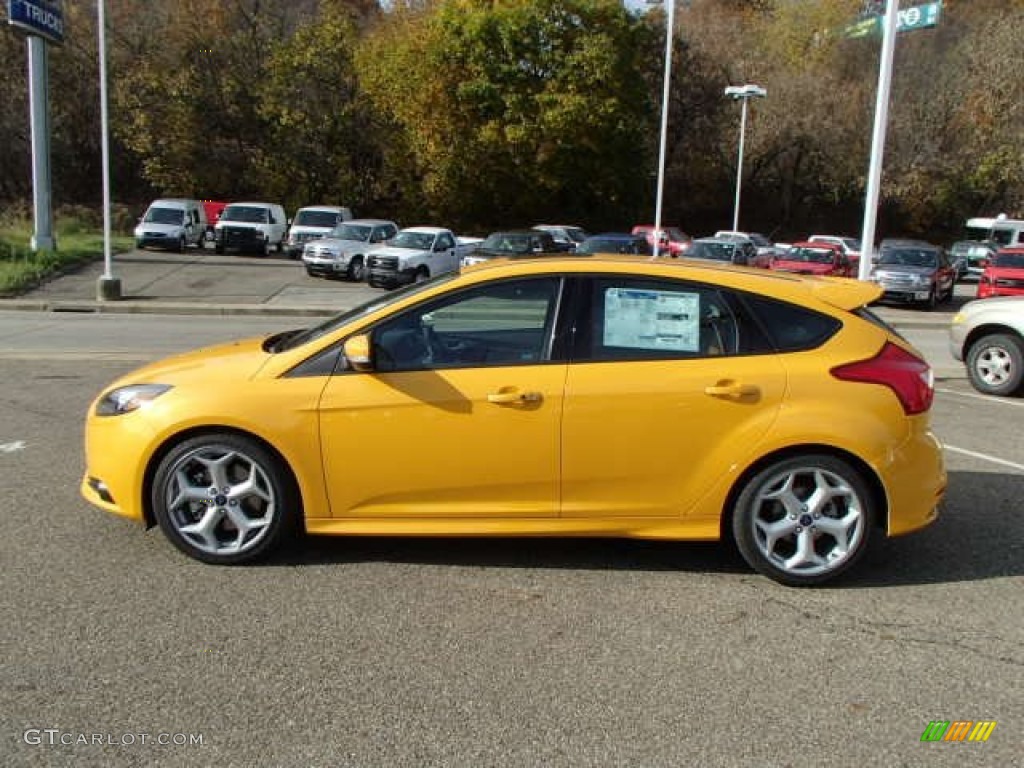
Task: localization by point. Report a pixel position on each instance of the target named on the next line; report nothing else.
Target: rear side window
(792, 328)
(623, 318)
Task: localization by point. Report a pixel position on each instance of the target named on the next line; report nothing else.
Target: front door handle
(731, 389)
(513, 397)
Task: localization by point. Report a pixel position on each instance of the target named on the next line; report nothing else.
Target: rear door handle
(731, 389)
(513, 397)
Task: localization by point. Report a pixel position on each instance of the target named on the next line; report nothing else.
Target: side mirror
(357, 352)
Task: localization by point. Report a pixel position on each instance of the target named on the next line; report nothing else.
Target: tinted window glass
(501, 323)
(634, 319)
(792, 328)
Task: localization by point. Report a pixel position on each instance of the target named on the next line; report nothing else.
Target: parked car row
(254, 227)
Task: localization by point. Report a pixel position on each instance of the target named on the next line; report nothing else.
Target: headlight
(128, 399)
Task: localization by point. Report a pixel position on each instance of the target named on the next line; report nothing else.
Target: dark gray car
(914, 272)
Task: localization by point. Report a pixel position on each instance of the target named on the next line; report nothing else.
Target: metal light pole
(867, 240)
(667, 80)
(742, 93)
(108, 287)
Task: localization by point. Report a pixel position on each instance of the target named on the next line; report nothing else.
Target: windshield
(1015, 260)
(420, 241)
(716, 251)
(809, 255)
(378, 302)
(164, 216)
(576, 234)
(247, 213)
(995, 235)
(352, 232)
(506, 242)
(909, 257)
(324, 219)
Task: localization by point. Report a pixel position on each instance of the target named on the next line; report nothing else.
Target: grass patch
(78, 242)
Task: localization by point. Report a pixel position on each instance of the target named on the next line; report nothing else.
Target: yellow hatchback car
(564, 396)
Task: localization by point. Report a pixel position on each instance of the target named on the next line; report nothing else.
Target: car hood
(165, 229)
(343, 245)
(390, 250)
(904, 269)
(1015, 273)
(238, 360)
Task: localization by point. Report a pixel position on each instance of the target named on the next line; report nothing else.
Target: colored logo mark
(958, 730)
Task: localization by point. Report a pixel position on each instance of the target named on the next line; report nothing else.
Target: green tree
(517, 111)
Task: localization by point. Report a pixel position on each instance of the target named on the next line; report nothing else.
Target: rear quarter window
(789, 327)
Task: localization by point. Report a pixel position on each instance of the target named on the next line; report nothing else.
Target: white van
(172, 223)
(254, 227)
(1002, 231)
(312, 222)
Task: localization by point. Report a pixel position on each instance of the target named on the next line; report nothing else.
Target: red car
(213, 210)
(672, 241)
(814, 258)
(1003, 274)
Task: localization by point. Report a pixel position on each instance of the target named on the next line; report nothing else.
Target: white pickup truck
(415, 254)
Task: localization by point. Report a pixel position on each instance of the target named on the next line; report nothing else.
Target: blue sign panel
(38, 17)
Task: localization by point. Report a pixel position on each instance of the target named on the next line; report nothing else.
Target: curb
(164, 308)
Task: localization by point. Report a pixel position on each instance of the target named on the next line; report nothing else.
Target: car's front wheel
(224, 498)
(356, 269)
(995, 364)
(804, 520)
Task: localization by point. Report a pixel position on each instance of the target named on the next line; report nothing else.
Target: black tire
(770, 533)
(933, 299)
(310, 272)
(422, 274)
(218, 248)
(356, 269)
(264, 496)
(181, 244)
(995, 364)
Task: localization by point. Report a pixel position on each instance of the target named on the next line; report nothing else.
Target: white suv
(988, 335)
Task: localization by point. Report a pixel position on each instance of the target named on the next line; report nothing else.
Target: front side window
(502, 323)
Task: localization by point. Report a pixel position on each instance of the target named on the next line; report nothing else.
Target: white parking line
(986, 398)
(985, 457)
(17, 445)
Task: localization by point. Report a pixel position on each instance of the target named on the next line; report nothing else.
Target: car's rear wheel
(804, 520)
(224, 498)
(995, 364)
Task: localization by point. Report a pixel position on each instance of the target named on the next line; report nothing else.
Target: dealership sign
(38, 17)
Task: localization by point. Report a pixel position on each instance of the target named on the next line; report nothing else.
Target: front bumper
(240, 238)
(324, 265)
(117, 449)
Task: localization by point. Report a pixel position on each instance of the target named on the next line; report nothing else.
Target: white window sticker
(642, 319)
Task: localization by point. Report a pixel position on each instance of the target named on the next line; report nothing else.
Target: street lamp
(742, 93)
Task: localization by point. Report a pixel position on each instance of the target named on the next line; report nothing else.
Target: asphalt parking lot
(447, 652)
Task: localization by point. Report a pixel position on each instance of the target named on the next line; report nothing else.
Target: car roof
(327, 208)
(835, 291)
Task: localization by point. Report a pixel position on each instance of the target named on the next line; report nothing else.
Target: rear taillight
(907, 375)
